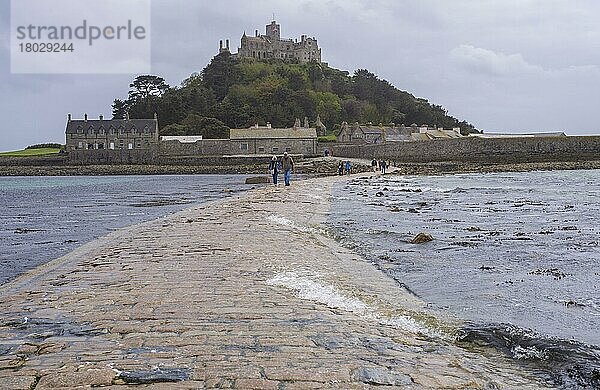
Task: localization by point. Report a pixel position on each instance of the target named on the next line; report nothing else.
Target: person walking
(374, 165)
(274, 169)
(348, 167)
(383, 165)
(341, 168)
(287, 164)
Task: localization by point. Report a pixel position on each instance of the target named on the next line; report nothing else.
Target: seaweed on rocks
(567, 363)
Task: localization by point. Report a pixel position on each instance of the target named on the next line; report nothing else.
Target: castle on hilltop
(271, 45)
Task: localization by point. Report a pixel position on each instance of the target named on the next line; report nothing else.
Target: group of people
(344, 167)
(381, 165)
(285, 164)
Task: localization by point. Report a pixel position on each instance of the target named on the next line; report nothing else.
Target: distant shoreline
(319, 166)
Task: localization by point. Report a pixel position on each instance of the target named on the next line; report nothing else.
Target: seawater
(516, 255)
(43, 218)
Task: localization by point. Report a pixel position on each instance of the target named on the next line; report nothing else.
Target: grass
(31, 152)
(327, 138)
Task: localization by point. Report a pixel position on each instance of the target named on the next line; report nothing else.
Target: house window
(90, 146)
(80, 146)
(288, 149)
(100, 146)
(91, 130)
(79, 130)
(261, 149)
(111, 130)
(275, 149)
(138, 144)
(244, 146)
(121, 144)
(146, 130)
(101, 130)
(133, 130)
(121, 129)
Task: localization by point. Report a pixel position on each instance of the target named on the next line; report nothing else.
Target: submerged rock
(422, 238)
(258, 180)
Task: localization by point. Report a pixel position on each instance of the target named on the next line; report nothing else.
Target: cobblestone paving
(248, 293)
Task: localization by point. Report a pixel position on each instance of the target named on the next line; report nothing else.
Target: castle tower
(273, 31)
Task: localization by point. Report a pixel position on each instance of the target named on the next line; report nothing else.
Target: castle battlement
(271, 45)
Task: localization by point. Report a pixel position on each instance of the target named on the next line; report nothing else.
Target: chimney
(220, 45)
(227, 44)
(69, 117)
(256, 33)
(85, 117)
(101, 117)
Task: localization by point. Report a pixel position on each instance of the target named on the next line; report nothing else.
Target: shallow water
(520, 249)
(43, 218)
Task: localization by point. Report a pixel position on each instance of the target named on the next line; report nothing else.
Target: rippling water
(517, 255)
(43, 218)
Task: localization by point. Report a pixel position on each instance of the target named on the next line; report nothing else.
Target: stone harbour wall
(499, 150)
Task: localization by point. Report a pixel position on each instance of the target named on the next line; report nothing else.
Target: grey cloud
(492, 63)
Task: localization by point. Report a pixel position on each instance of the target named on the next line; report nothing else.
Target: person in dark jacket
(274, 169)
(287, 164)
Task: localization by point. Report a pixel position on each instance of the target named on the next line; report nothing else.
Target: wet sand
(250, 292)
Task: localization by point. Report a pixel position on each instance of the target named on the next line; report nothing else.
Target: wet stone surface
(247, 293)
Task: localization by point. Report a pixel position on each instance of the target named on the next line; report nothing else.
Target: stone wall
(499, 150)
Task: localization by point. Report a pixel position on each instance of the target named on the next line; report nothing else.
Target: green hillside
(232, 93)
(31, 152)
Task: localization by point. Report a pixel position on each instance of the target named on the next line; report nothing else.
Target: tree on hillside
(146, 86)
(220, 75)
(119, 109)
(145, 95)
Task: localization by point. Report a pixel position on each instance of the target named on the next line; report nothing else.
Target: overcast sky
(503, 65)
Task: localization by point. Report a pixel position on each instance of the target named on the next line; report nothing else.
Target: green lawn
(30, 152)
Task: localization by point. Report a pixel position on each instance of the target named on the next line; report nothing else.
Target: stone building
(271, 45)
(268, 140)
(111, 134)
(371, 134)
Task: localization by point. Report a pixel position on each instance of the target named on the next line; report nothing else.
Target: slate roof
(139, 124)
(267, 133)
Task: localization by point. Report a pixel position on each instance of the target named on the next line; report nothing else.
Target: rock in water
(421, 238)
(258, 180)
